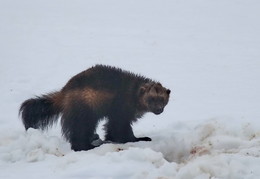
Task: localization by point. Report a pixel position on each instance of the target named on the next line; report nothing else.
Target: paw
(144, 139)
(95, 137)
(77, 148)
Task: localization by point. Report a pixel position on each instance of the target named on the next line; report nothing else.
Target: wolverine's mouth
(158, 111)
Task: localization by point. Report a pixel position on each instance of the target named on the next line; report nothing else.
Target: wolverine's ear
(168, 91)
(142, 90)
(159, 84)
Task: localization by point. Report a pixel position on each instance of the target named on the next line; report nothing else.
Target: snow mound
(183, 150)
(31, 146)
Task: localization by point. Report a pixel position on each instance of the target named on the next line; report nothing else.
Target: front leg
(120, 131)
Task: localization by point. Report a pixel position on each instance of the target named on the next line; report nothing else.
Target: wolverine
(99, 92)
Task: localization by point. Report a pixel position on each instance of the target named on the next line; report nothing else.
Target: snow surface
(207, 52)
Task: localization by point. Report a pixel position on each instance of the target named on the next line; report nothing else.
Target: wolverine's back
(105, 77)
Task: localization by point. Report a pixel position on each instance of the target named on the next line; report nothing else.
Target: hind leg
(78, 126)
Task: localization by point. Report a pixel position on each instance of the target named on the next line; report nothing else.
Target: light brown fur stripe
(93, 98)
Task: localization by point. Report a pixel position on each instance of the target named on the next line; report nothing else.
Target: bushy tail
(41, 112)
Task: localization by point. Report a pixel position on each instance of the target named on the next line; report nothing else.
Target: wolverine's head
(154, 97)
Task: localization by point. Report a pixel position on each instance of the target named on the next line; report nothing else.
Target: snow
(205, 51)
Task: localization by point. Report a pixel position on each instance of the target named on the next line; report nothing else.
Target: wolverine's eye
(161, 100)
(151, 100)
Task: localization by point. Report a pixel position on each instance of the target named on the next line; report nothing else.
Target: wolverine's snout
(158, 111)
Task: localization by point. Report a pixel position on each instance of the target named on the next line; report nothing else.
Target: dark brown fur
(101, 91)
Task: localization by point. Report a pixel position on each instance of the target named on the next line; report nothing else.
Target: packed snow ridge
(182, 150)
